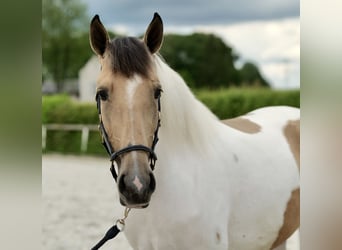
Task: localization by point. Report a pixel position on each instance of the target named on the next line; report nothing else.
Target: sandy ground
(80, 202)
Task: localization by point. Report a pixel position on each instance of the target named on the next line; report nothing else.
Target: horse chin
(139, 206)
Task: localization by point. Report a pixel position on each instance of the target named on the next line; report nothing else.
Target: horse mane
(186, 118)
(130, 56)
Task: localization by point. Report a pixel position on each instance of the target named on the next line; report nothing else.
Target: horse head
(128, 92)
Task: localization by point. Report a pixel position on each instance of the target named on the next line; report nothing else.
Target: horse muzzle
(135, 191)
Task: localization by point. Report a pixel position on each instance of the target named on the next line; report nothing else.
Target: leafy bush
(232, 102)
(225, 103)
(62, 109)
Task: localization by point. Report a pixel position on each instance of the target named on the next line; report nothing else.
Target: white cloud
(121, 29)
(273, 45)
(283, 75)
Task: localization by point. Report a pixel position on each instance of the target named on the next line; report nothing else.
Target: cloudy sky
(265, 32)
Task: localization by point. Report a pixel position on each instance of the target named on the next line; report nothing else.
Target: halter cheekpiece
(115, 154)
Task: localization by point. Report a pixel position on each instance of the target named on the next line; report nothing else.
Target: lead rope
(118, 227)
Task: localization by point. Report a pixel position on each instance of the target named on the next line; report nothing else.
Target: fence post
(44, 137)
(84, 139)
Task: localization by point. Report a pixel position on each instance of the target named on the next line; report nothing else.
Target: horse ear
(154, 34)
(99, 37)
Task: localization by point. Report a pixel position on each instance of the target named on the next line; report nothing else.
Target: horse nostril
(152, 182)
(122, 185)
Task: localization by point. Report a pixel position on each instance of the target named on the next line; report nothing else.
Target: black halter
(115, 154)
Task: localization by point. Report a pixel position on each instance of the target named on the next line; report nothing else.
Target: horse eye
(157, 93)
(103, 94)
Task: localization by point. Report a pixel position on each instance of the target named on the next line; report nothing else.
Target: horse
(231, 184)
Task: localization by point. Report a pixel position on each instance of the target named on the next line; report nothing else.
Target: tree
(251, 76)
(203, 60)
(65, 41)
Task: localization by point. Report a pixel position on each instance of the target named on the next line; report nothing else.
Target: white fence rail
(84, 128)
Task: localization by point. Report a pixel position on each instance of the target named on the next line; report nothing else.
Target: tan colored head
(128, 87)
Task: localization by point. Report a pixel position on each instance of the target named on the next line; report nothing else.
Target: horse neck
(185, 121)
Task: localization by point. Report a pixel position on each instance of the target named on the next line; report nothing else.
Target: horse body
(229, 184)
(217, 187)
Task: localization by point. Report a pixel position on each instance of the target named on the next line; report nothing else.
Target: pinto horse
(231, 184)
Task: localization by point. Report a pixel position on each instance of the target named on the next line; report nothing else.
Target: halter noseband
(115, 154)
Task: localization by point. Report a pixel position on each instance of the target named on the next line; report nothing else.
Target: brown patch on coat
(218, 237)
(291, 219)
(292, 135)
(243, 125)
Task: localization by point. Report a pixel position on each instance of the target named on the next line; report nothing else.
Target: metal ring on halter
(122, 220)
(122, 223)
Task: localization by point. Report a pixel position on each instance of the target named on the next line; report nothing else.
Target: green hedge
(225, 103)
(232, 102)
(62, 109)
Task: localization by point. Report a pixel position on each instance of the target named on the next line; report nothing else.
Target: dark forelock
(130, 56)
